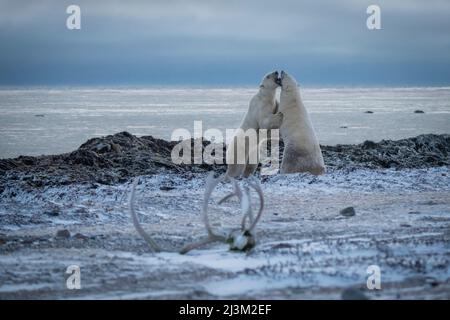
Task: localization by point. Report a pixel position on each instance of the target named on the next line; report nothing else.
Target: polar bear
(262, 113)
(301, 148)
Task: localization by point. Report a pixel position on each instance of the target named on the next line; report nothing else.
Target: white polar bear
(261, 114)
(301, 148)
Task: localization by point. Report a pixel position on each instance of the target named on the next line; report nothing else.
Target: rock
(348, 212)
(368, 111)
(80, 236)
(29, 161)
(419, 111)
(369, 144)
(166, 188)
(343, 127)
(81, 210)
(432, 281)
(39, 115)
(282, 246)
(102, 148)
(116, 148)
(423, 151)
(53, 212)
(118, 158)
(353, 294)
(63, 234)
(429, 203)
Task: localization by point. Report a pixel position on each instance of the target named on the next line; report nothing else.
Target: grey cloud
(149, 39)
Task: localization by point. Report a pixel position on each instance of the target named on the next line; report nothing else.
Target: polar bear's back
(302, 150)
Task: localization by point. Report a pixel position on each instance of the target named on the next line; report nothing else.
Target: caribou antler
(210, 185)
(136, 223)
(244, 198)
(238, 239)
(257, 187)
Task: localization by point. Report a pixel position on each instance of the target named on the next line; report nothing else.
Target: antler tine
(246, 206)
(196, 245)
(236, 192)
(228, 196)
(211, 184)
(257, 187)
(136, 223)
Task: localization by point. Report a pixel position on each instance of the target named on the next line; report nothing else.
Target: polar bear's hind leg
(249, 170)
(294, 161)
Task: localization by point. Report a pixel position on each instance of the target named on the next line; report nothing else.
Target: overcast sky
(228, 42)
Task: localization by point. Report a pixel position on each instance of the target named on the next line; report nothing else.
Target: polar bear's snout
(271, 80)
(277, 78)
(286, 80)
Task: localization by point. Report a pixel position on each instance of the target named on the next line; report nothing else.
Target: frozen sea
(35, 121)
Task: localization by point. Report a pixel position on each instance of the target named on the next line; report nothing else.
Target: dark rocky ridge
(116, 158)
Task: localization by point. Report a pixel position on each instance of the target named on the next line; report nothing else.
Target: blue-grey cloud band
(224, 42)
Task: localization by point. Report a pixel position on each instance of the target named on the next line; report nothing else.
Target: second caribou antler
(239, 239)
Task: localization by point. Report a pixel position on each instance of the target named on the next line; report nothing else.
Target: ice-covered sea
(36, 121)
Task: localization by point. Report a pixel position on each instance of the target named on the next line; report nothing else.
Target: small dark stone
(348, 212)
(28, 241)
(81, 210)
(343, 127)
(64, 234)
(405, 225)
(102, 148)
(419, 111)
(369, 144)
(29, 161)
(353, 294)
(80, 236)
(166, 188)
(368, 111)
(116, 148)
(432, 281)
(53, 212)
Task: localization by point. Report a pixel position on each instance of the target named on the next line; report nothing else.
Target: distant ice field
(35, 121)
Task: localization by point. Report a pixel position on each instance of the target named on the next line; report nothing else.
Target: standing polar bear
(301, 148)
(262, 113)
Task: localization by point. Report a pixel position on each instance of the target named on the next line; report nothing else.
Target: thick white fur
(301, 148)
(261, 114)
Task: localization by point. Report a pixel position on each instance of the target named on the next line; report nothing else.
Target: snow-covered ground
(306, 248)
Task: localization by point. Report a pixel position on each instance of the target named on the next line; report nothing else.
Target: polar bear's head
(287, 82)
(270, 81)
